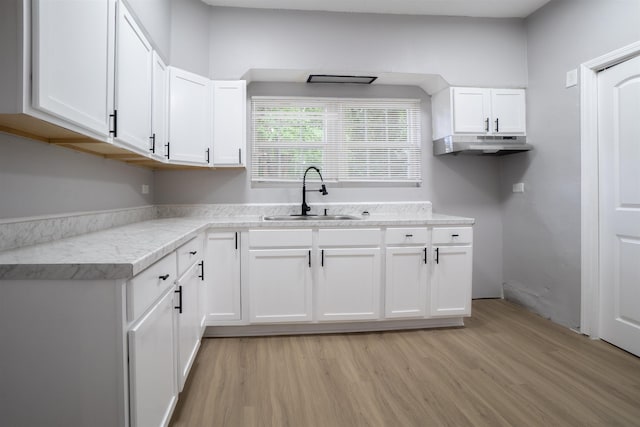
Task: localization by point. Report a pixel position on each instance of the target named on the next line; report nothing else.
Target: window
(349, 140)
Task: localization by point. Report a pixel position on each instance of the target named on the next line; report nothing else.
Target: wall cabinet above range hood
(479, 121)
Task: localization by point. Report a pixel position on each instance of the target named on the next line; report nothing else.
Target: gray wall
(41, 179)
(542, 226)
(466, 51)
(155, 16)
(190, 35)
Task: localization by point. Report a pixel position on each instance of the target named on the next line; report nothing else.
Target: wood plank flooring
(506, 367)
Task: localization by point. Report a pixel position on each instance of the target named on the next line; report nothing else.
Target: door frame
(589, 210)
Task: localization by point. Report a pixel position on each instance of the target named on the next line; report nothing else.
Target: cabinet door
(223, 277)
(280, 285)
(73, 42)
(229, 122)
(406, 284)
(134, 58)
(349, 284)
(188, 322)
(153, 389)
(508, 111)
(160, 107)
(471, 110)
(451, 281)
(190, 118)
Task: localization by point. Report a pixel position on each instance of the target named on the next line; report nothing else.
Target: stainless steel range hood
(480, 145)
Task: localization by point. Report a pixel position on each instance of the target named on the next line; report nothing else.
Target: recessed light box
(330, 78)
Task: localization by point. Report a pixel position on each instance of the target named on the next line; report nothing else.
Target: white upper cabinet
(160, 107)
(508, 111)
(471, 110)
(479, 111)
(73, 44)
(190, 117)
(229, 122)
(134, 57)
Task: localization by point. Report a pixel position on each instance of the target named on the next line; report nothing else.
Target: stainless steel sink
(311, 218)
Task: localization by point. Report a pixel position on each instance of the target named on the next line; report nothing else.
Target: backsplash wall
(41, 179)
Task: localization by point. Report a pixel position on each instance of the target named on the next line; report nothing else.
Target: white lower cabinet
(187, 321)
(451, 269)
(338, 275)
(152, 380)
(348, 286)
(280, 288)
(406, 282)
(223, 296)
(280, 279)
(348, 279)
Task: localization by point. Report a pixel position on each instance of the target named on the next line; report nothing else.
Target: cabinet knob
(193, 252)
(164, 277)
(408, 235)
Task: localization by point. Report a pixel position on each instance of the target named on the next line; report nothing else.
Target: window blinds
(349, 140)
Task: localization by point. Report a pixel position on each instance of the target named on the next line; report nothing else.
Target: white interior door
(619, 161)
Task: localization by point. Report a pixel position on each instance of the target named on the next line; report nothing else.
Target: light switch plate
(572, 77)
(145, 189)
(518, 188)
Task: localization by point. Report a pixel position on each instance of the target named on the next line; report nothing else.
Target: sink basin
(311, 218)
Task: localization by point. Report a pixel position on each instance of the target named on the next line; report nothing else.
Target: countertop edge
(126, 270)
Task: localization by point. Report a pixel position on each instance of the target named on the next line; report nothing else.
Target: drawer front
(145, 288)
(407, 236)
(189, 253)
(452, 235)
(349, 237)
(280, 238)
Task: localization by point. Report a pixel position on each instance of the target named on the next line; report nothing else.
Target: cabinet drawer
(349, 237)
(279, 238)
(189, 253)
(149, 285)
(406, 236)
(452, 235)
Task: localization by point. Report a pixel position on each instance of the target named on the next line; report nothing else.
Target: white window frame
(336, 151)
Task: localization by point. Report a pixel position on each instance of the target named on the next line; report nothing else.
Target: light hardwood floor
(506, 367)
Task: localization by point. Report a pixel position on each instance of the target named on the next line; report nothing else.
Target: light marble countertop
(122, 252)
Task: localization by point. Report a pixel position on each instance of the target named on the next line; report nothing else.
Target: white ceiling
(478, 8)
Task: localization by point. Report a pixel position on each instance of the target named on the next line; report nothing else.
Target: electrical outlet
(518, 188)
(145, 189)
